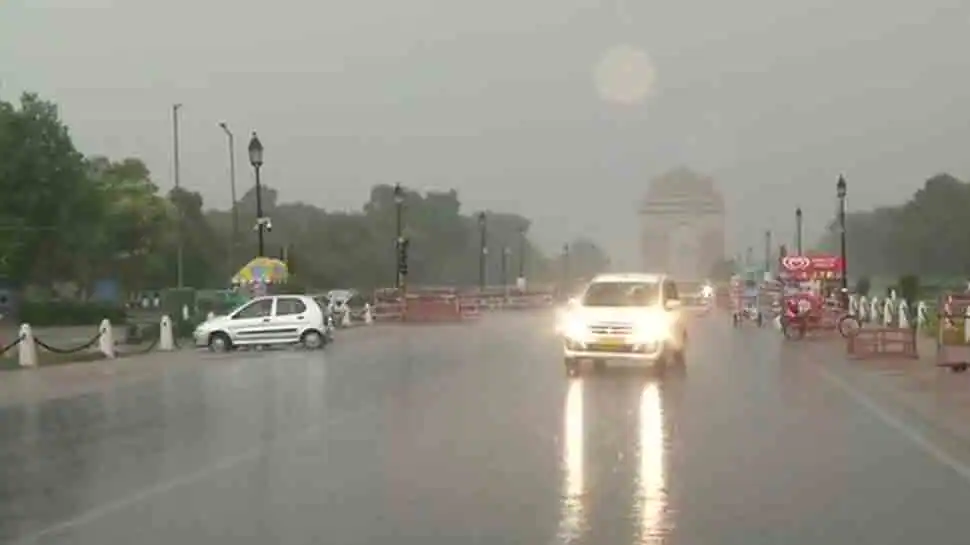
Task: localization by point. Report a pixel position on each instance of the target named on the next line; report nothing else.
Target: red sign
(812, 267)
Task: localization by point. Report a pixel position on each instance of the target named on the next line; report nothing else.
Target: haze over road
(473, 434)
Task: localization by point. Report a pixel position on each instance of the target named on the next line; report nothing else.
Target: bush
(70, 313)
(909, 288)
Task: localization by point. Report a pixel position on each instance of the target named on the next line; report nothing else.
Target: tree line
(924, 236)
(70, 218)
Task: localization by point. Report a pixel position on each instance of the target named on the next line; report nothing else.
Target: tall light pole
(768, 251)
(179, 259)
(232, 192)
(840, 190)
(522, 241)
(483, 248)
(565, 265)
(506, 253)
(399, 234)
(798, 230)
(256, 159)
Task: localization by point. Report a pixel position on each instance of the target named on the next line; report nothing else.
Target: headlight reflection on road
(651, 501)
(572, 518)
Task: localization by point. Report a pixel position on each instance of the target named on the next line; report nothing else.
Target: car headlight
(572, 327)
(652, 328)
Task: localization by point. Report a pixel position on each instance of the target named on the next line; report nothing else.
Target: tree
(47, 208)
(135, 224)
(923, 236)
(65, 217)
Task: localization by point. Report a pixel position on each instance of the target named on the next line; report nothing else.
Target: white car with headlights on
(632, 317)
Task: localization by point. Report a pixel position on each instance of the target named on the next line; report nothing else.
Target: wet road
(473, 434)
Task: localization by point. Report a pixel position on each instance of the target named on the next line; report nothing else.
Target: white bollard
(345, 321)
(210, 316)
(27, 349)
(863, 309)
(368, 315)
(922, 315)
(874, 310)
(106, 342)
(887, 313)
(903, 315)
(166, 338)
(777, 322)
(892, 295)
(185, 313)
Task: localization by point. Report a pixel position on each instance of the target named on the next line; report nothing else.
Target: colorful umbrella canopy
(264, 270)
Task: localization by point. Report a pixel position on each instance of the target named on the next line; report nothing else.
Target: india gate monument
(682, 226)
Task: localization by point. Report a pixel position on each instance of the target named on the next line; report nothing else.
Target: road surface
(438, 435)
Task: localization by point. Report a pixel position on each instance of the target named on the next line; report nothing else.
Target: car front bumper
(616, 348)
(201, 338)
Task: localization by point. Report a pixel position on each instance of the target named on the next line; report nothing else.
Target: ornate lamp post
(256, 159)
(401, 266)
(840, 189)
(483, 249)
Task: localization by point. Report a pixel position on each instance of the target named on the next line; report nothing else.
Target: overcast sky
(562, 110)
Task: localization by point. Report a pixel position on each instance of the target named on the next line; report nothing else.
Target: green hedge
(70, 313)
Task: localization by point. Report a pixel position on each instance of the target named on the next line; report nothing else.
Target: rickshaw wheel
(848, 326)
(793, 332)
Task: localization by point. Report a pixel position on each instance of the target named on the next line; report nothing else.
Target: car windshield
(621, 294)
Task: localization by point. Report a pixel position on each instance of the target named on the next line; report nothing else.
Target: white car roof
(639, 278)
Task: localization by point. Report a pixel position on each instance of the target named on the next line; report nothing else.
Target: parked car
(269, 320)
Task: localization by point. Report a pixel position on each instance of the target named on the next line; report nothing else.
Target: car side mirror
(672, 304)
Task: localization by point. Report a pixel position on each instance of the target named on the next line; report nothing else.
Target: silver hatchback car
(269, 320)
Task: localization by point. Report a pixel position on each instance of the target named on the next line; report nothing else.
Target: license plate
(611, 341)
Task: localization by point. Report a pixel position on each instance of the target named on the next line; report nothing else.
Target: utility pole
(178, 185)
(232, 191)
(768, 251)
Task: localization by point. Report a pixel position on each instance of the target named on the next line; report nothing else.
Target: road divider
(883, 342)
(32, 351)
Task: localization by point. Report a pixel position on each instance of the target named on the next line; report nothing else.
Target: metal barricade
(883, 343)
(953, 332)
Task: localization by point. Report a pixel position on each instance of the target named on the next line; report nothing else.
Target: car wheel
(220, 342)
(312, 340)
(572, 367)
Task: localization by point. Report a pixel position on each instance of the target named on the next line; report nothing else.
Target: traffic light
(402, 256)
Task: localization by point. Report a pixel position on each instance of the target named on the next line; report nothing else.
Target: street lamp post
(798, 230)
(506, 252)
(483, 249)
(179, 258)
(520, 283)
(256, 159)
(840, 189)
(399, 233)
(767, 251)
(232, 192)
(565, 265)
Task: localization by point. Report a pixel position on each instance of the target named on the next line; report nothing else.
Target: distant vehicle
(633, 317)
(347, 302)
(269, 320)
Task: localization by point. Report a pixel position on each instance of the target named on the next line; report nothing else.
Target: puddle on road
(646, 497)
